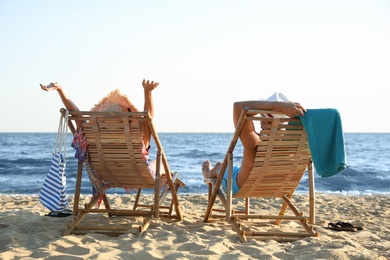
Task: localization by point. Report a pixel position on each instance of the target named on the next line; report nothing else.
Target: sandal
(60, 213)
(345, 224)
(341, 226)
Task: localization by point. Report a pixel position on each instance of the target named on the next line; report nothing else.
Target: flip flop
(60, 213)
(338, 227)
(346, 224)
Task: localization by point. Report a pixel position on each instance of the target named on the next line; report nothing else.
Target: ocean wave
(24, 172)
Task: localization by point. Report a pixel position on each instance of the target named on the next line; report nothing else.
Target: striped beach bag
(53, 191)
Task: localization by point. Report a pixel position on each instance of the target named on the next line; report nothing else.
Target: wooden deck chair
(114, 148)
(282, 158)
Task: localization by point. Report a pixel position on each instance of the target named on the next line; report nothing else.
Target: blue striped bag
(53, 191)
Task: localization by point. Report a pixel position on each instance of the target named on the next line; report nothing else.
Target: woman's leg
(249, 140)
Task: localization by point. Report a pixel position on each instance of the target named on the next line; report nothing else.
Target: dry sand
(25, 232)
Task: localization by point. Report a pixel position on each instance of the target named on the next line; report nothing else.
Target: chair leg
(177, 186)
(211, 185)
(281, 213)
(107, 204)
(78, 188)
(210, 192)
(137, 199)
(80, 216)
(177, 183)
(312, 199)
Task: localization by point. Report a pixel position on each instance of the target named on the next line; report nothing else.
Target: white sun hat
(277, 96)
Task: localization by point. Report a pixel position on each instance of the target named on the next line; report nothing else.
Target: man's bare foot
(206, 167)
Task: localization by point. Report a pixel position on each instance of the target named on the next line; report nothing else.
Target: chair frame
(132, 123)
(290, 137)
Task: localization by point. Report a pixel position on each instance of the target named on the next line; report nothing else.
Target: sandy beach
(25, 232)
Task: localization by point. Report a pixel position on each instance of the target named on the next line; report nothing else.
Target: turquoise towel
(326, 140)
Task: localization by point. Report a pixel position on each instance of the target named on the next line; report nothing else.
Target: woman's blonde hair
(114, 99)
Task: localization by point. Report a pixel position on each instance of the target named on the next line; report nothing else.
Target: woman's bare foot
(206, 167)
(210, 172)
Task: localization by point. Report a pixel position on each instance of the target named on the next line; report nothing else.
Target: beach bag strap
(62, 133)
(53, 191)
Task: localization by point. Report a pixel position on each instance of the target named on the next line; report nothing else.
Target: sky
(205, 54)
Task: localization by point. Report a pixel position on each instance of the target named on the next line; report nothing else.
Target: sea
(25, 159)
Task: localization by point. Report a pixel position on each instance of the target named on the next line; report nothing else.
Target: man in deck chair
(113, 102)
(249, 139)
